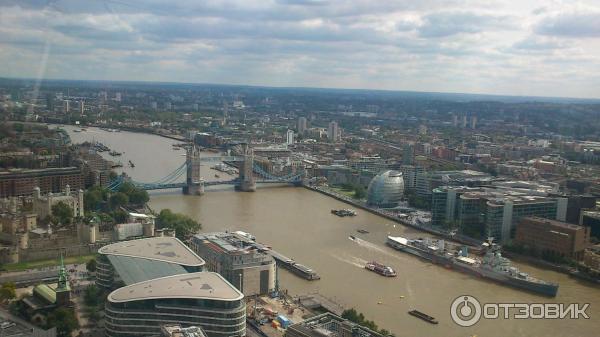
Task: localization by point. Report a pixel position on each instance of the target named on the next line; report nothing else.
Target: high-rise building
(81, 108)
(118, 97)
(464, 121)
(333, 132)
(302, 125)
(408, 154)
(168, 106)
(474, 122)
(66, 106)
(289, 137)
(49, 102)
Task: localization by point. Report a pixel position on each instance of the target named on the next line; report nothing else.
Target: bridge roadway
(150, 187)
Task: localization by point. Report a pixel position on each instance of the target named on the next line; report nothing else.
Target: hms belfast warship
(493, 265)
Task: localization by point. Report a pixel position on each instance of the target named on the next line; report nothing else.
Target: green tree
(118, 199)
(120, 216)
(136, 195)
(8, 291)
(183, 225)
(93, 198)
(62, 212)
(92, 295)
(359, 192)
(91, 265)
(64, 320)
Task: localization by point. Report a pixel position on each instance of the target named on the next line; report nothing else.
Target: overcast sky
(520, 47)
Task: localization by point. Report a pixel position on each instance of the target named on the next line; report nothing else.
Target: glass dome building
(386, 189)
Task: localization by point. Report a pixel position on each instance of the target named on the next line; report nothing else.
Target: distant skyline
(520, 48)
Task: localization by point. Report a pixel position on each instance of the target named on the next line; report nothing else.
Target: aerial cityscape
(223, 203)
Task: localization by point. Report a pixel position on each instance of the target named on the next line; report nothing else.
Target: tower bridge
(249, 174)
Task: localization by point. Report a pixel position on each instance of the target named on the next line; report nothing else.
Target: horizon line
(564, 98)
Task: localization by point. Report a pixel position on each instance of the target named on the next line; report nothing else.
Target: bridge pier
(194, 189)
(247, 182)
(194, 183)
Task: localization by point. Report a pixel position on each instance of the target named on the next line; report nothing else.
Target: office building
(289, 137)
(552, 238)
(333, 132)
(591, 218)
(328, 325)
(159, 281)
(302, 125)
(410, 174)
(491, 212)
(426, 181)
(242, 262)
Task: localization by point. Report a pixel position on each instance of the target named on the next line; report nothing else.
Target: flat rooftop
(201, 285)
(164, 249)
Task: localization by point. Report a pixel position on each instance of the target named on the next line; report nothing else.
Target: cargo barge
(423, 316)
(296, 268)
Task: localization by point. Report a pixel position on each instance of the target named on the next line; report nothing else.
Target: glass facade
(145, 317)
(386, 189)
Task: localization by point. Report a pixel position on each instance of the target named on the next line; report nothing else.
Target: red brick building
(552, 236)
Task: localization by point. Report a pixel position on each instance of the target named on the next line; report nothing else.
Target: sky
(514, 47)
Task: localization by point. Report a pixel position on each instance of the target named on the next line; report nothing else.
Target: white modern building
(160, 281)
(289, 137)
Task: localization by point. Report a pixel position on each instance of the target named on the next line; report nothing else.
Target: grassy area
(348, 193)
(46, 263)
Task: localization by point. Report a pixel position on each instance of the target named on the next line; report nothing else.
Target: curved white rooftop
(165, 249)
(201, 285)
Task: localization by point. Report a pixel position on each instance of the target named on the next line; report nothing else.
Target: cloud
(433, 45)
(445, 24)
(575, 25)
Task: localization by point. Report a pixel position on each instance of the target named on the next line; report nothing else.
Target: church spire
(63, 278)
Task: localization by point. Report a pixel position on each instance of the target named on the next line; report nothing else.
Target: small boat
(423, 316)
(352, 237)
(114, 153)
(380, 269)
(131, 164)
(343, 212)
(76, 130)
(362, 231)
(217, 176)
(116, 165)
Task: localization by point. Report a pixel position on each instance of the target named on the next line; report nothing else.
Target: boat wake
(353, 260)
(373, 247)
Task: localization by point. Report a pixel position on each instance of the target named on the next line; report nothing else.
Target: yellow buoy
(379, 302)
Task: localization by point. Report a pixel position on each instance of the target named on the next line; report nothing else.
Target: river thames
(297, 222)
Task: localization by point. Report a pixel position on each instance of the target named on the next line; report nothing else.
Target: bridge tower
(247, 182)
(194, 183)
